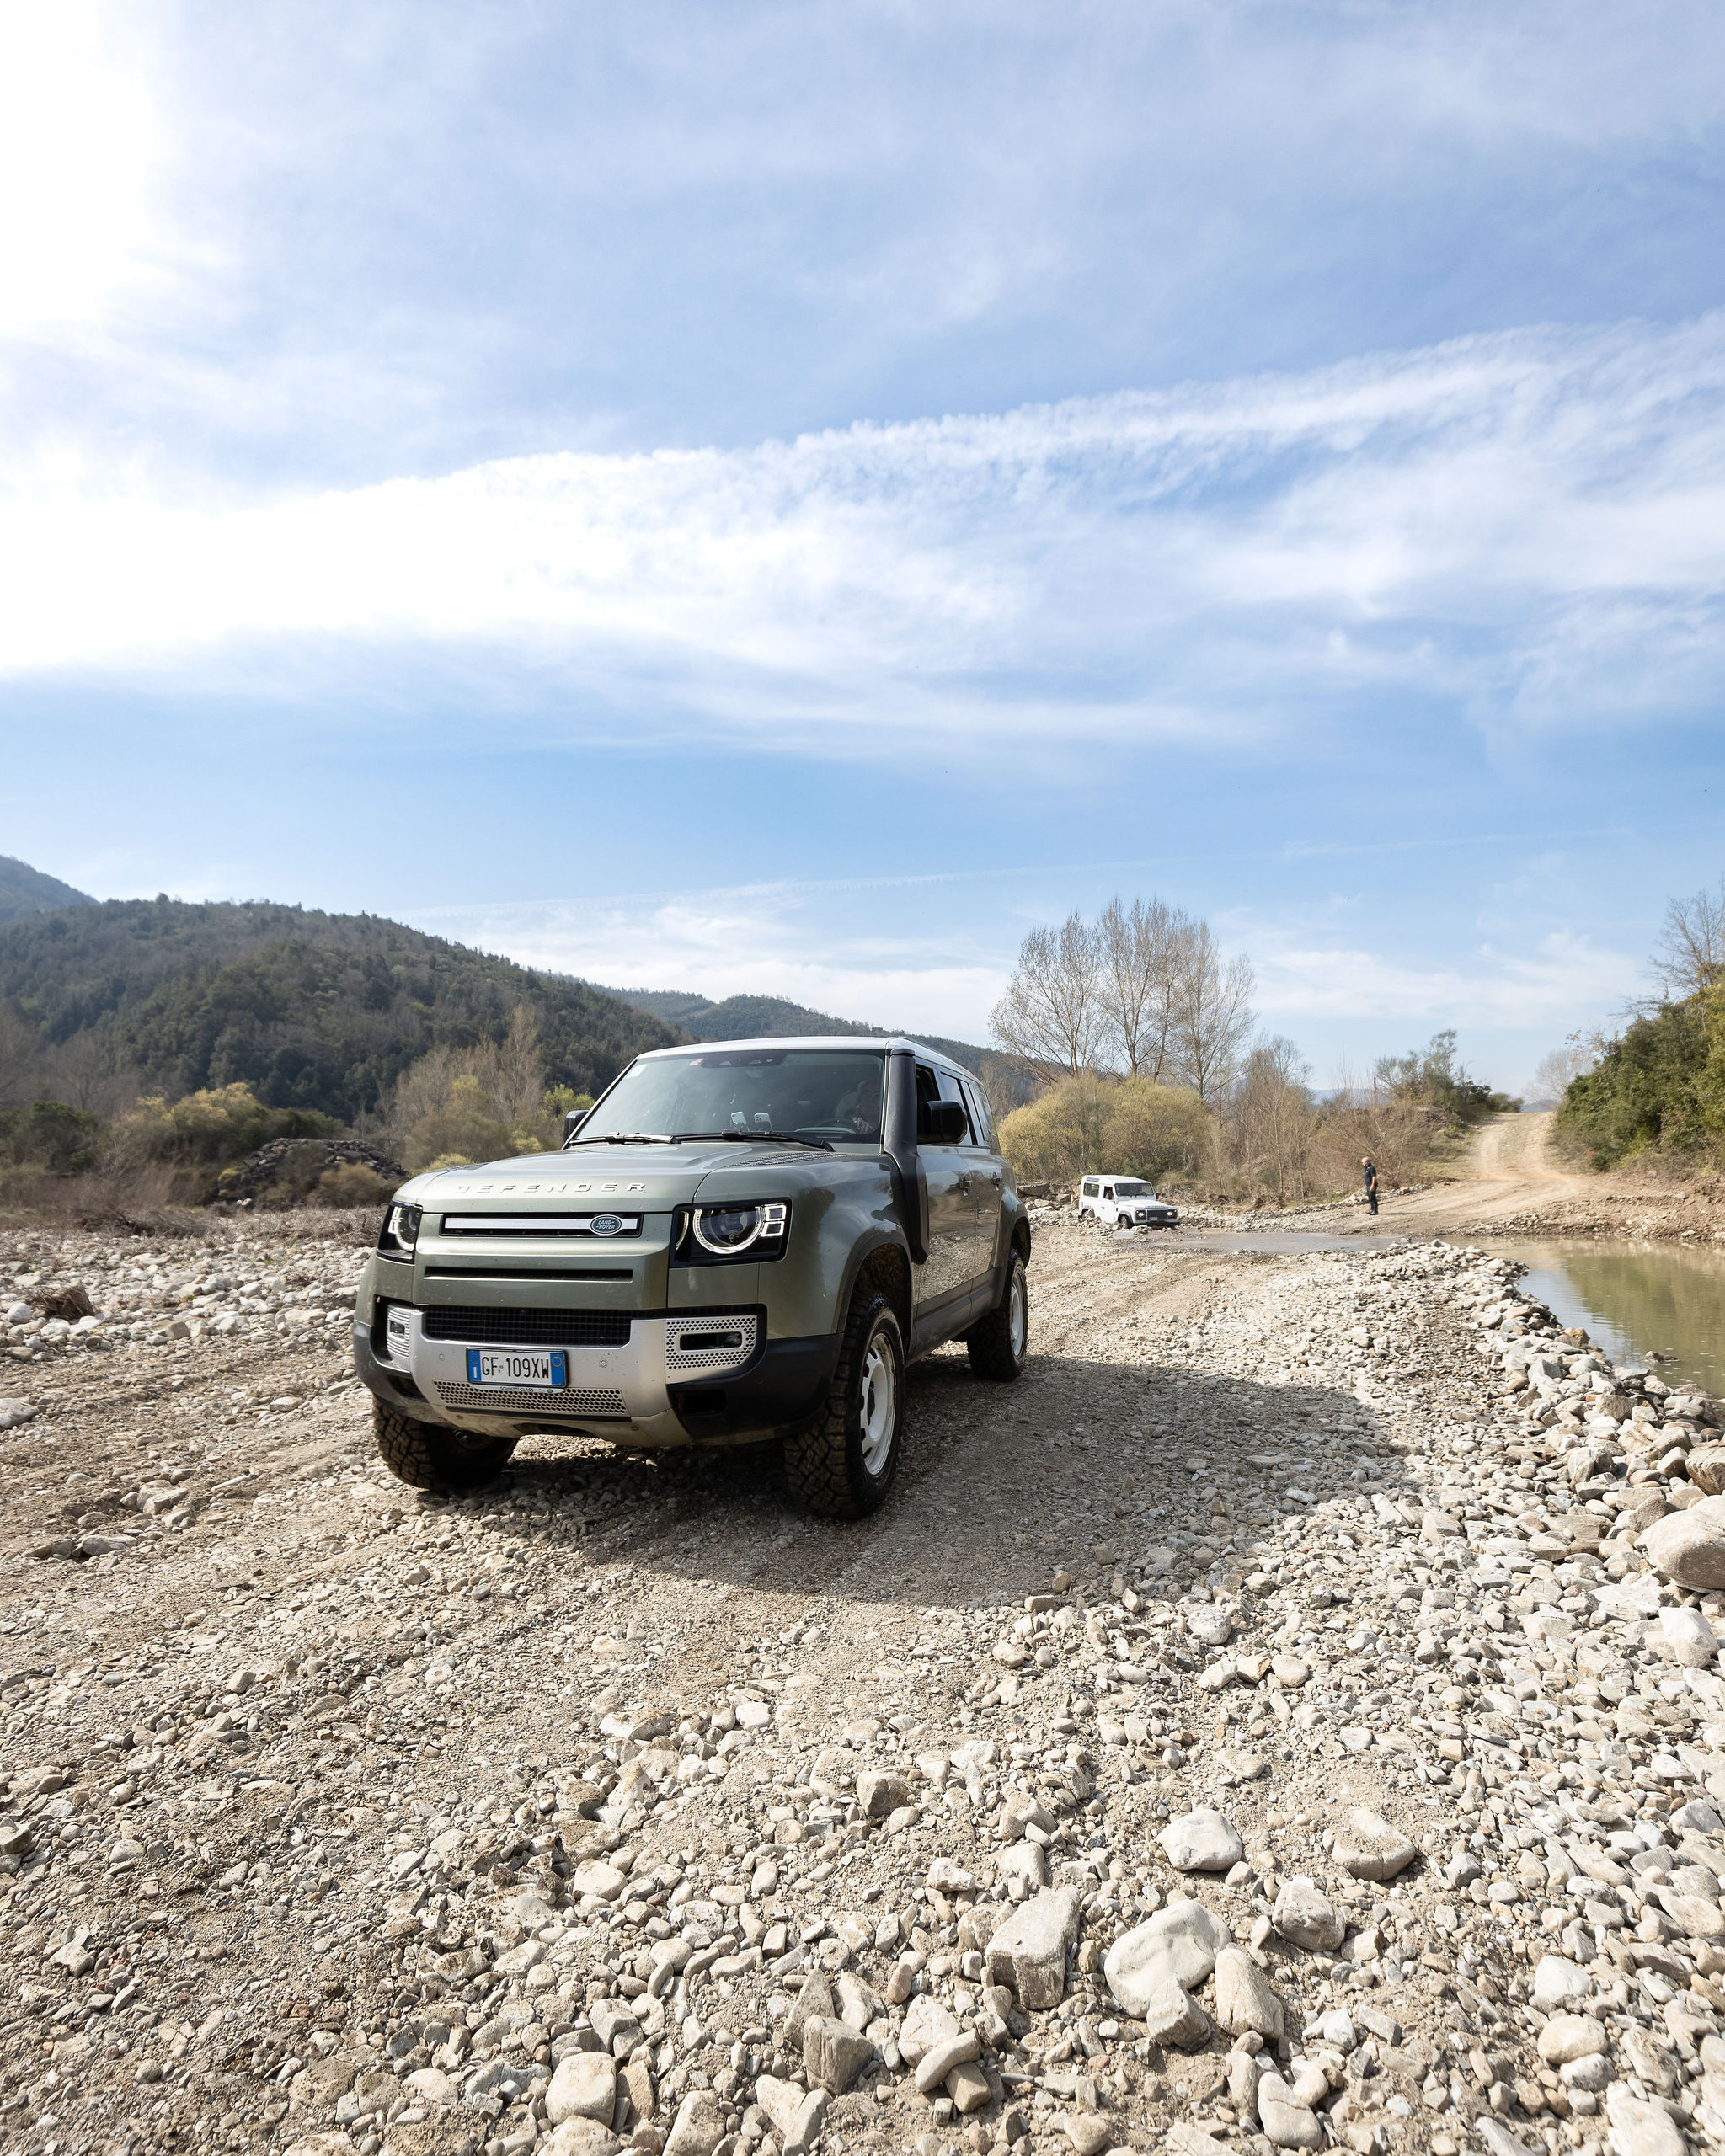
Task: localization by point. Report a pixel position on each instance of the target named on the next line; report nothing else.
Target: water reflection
(1637, 1299)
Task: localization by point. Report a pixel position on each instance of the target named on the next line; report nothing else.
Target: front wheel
(431, 1456)
(843, 1464)
(1000, 1343)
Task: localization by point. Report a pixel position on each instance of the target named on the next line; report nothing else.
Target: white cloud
(1477, 522)
(838, 948)
(1564, 976)
(80, 147)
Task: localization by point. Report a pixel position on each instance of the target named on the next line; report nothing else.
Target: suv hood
(652, 1177)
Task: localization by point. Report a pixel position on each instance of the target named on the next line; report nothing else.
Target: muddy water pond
(1638, 1300)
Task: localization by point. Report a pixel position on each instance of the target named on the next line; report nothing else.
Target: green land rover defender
(741, 1241)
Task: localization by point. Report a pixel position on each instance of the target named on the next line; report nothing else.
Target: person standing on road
(1371, 1184)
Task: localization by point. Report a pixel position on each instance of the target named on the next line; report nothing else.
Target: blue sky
(787, 497)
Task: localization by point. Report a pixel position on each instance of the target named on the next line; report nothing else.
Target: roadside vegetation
(1139, 1041)
(1655, 1095)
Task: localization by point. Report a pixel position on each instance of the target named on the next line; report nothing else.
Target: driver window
(927, 1093)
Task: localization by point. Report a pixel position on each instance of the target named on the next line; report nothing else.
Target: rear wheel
(1000, 1343)
(843, 1464)
(431, 1456)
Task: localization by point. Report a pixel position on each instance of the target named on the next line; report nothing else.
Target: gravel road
(1263, 1725)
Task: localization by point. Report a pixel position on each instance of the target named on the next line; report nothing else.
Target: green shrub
(48, 1135)
(350, 1187)
(1659, 1089)
(1128, 1126)
(1430, 1077)
(209, 1128)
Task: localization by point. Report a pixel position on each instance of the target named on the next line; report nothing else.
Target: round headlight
(724, 1230)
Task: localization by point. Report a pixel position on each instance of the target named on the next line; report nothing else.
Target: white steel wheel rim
(880, 1396)
(1018, 1314)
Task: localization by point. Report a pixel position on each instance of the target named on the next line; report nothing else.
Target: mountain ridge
(773, 1017)
(311, 1010)
(24, 890)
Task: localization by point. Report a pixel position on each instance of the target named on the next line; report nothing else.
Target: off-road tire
(430, 1456)
(824, 1461)
(999, 1343)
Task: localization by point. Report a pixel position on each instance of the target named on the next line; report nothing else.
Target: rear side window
(981, 1130)
(1090, 1189)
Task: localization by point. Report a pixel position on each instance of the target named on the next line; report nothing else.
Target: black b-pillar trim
(900, 1145)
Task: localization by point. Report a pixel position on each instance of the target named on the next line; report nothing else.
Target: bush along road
(1288, 1717)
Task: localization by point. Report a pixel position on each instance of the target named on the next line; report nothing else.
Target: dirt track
(1511, 1182)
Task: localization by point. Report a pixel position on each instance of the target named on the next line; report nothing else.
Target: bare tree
(1272, 1120)
(92, 1071)
(1558, 1069)
(1690, 952)
(1052, 1013)
(21, 1066)
(1140, 954)
(1213, 1018)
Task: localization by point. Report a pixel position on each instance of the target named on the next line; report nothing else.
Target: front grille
(476, 1322)
(546, 1400)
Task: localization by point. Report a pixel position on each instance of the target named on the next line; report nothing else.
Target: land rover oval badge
(606, 1224)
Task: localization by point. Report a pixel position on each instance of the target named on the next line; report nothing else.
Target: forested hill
(311, 1010)
(25, 890)
(769, 1018)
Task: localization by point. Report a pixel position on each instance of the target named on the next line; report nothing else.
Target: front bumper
(654, 1390)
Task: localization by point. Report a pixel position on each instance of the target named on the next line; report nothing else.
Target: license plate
(512, 1366)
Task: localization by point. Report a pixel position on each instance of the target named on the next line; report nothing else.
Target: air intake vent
(476, 1323)
(492, 1400)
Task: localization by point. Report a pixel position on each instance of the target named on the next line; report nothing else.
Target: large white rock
(698, 2127)
(1201, 1841)
(1172, 2015)
(1639, 2129)
(1244, 1998)
(1306, 1918)
(927, 2024)
(579, 2138)
(1559, 1986)
(1179, 1944)
(1287, 2122)
(1688, 1547)
(1028, 1953)
(1568, 2037)
(1366, 1845)
(1689, 1637)
(583, 2087)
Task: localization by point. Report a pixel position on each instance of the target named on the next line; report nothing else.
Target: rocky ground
(1277, 1721)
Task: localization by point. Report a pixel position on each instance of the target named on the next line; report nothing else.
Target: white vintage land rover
(1123, 1202)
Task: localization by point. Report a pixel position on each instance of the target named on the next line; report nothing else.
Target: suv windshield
(1133, 1190)
(791, 1092)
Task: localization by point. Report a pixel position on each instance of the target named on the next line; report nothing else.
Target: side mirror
(572, 1121)
(946, 1123)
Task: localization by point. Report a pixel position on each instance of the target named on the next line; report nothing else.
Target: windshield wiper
(623, 1138)
(759, 1138)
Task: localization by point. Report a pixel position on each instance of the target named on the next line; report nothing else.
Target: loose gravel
(1289, 1715)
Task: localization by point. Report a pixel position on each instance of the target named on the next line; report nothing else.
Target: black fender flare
(869, 1247)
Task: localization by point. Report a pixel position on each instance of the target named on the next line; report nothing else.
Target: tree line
(1138, 1034)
